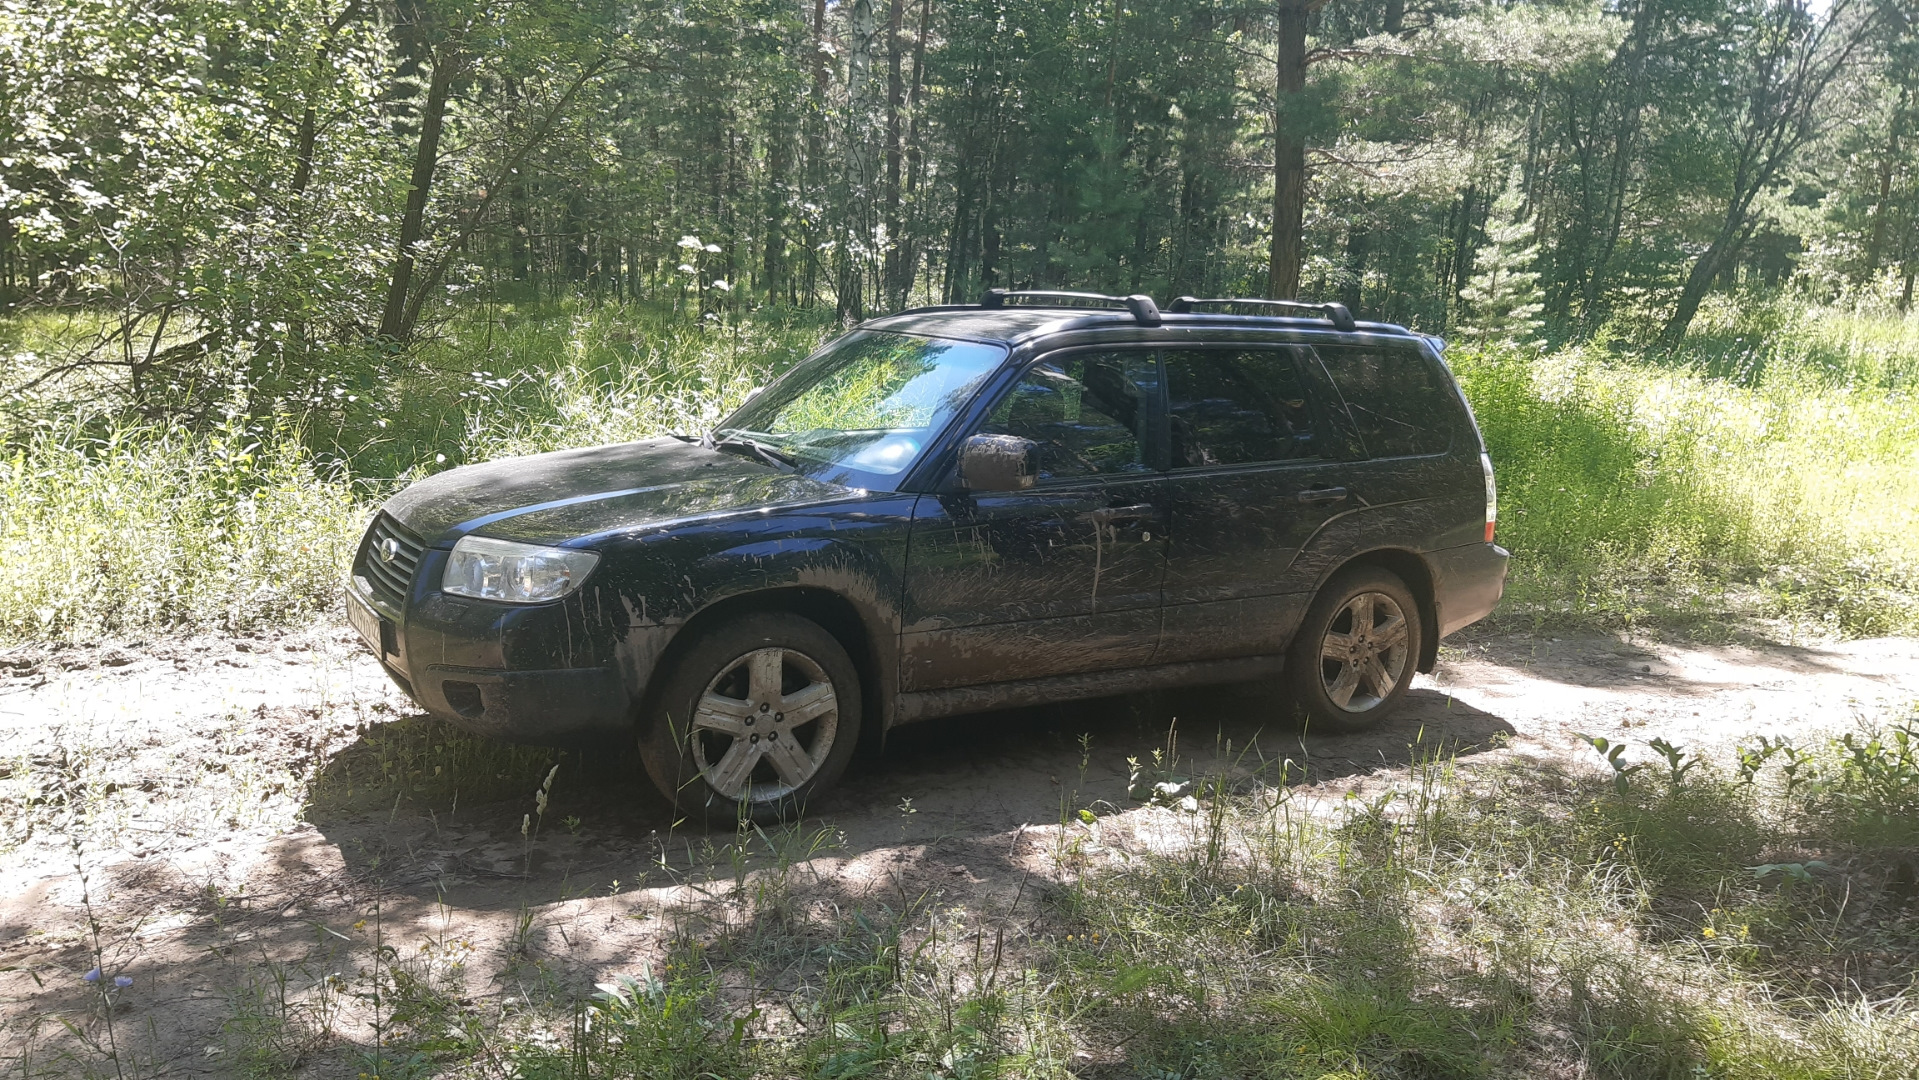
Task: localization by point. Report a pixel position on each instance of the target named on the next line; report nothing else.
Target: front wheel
(1355, 654)
(757, 717)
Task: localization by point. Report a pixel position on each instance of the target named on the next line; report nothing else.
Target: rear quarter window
(1400, 403)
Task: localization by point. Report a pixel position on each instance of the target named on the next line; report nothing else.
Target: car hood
(568, 494)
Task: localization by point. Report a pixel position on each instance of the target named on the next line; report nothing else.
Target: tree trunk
(1289, 154)
(1878, 242)
(861, 174)
(394, 323)
(815, 150)
(910, 238)
(773, 234)
(894, 292)
(519, 214)
(303, 151)
(1359, 245)
(1699, 281)
(1625, 143)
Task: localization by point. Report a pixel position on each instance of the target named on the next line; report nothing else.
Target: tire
(1349, 683)
(712, 743)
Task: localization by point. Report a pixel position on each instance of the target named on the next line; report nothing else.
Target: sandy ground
(178, 811)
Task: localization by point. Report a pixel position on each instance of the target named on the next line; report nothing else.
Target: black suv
(1039, 497)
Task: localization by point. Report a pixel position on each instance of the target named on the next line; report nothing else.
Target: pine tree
(1502, 300)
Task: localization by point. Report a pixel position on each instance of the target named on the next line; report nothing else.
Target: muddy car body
(1068, 511)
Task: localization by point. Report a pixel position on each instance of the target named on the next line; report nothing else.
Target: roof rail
(1337, 314)
(1145, 310)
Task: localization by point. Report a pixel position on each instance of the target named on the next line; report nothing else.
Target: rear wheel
(1356, 652)
(758, 716)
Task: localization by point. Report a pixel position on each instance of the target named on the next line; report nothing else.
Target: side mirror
(998, 463)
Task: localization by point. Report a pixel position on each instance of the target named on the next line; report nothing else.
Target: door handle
(1118, 515)
(1322, 495)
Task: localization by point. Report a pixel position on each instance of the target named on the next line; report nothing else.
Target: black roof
(997, 320)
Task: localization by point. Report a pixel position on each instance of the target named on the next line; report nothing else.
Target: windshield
(860, 411)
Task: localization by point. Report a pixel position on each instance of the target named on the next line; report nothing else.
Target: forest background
(259, 261)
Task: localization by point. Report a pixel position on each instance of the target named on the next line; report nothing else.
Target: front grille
(389, 577)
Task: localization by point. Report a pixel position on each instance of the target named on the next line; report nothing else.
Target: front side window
(1237, 407)
(1396, 399)
(859, 412)
(1087, 411)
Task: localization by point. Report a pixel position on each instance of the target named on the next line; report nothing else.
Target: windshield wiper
(777, 458)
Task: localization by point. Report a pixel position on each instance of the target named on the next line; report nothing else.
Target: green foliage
(1614, 753)
(1867, 786)
(257, 193)
(1502, 300)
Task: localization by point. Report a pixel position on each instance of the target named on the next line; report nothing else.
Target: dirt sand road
(244, 813)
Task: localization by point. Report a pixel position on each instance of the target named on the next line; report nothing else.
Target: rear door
(1420, 479)
(1062, 578)
(1256, 472)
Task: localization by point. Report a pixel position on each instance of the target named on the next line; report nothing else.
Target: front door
(1059, 579)
(1254, 475)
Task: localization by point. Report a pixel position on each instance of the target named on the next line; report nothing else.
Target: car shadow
(952, 783)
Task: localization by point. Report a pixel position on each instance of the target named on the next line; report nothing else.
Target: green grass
(1634, 490)
(136, 528)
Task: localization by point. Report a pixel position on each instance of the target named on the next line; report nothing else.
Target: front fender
(669, 582)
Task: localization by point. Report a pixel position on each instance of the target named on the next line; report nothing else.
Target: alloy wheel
(765, 725)
(1364, 654)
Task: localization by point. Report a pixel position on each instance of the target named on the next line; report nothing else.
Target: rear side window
(1232, 407)
(1399, 403)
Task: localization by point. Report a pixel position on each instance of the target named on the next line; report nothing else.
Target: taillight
(1492, 495)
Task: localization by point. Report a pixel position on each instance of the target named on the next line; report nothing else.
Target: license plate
(365, 620)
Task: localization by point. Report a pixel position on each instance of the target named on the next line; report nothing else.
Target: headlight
(515, 573)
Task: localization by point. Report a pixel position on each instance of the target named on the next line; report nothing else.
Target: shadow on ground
(955, 785)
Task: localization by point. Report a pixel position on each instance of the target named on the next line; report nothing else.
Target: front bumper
(543, 674)
(555, 706)
(1467, 583)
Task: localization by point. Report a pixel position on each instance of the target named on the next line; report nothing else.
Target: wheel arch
(1412, 569)
(832, 611)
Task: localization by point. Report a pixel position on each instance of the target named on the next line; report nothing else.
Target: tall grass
(500, 380)
(142, 527)
(1633, 489)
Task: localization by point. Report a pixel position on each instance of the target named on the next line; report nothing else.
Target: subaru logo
(389, 549)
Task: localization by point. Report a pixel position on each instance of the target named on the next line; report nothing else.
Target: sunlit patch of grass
(1752, 338)
(145, 527)
(1633, 491)
(1508, 920)
(120, 528)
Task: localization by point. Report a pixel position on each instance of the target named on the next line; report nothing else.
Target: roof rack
(1337, 314)
(1145, 310)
